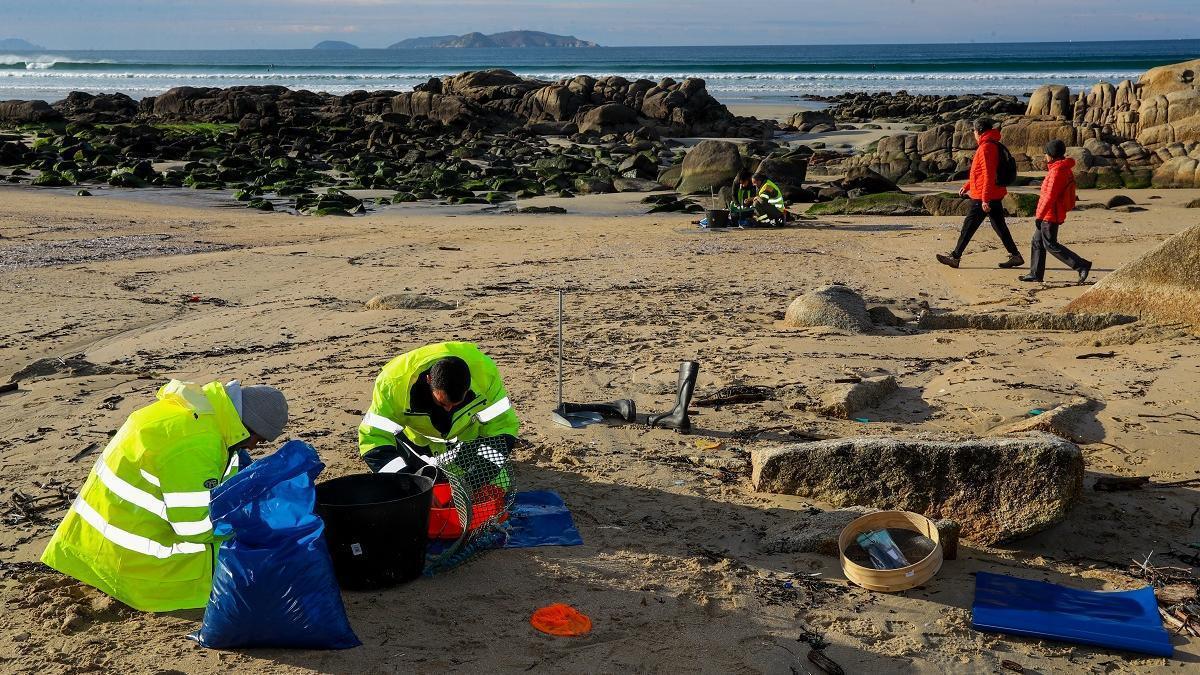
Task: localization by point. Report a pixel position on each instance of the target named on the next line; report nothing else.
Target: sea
(735, 75)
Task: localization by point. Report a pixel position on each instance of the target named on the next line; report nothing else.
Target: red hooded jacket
(981, 182)
(1058, 192)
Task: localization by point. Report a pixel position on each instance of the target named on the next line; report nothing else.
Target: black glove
(377, 458)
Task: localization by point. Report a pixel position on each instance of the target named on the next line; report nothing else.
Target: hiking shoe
(1013, 261)
(948, 259)
(1083, 273)
(1028, 277)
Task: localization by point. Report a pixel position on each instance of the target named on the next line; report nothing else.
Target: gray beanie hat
(264, 411)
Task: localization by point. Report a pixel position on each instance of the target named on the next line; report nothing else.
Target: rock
(788, 170)
(834, 306)
(711, 165)
(806, 119)
(882, 316)
(1173, 594)
(1163, 284)
(867, 181)
(610, 118)
(1119, 200)
(591, 185)
(638, 166)
(946, 204)
(1074, 421)
(407, 301)
(884, 204)
(1194, 204)
(1052, 100)
(998, 489)
(845, 400)
(635, 185)
(541, 209)
(27, 112)
(1020, 204)
(1080, 321)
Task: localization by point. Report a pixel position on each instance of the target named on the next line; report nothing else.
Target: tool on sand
(561, 415)
(677, 417)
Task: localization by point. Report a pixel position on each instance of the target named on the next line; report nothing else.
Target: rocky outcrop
(927, 109)
(834, 306)
(999, 489)
(406, 301)
(1162, 285)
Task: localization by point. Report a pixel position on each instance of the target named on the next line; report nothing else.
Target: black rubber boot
(677, 417)
(623, 409)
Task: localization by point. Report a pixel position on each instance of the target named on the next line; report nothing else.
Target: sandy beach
(122, 293)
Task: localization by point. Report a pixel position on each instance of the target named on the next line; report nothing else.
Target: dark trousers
(767, 211)
(976, 217)
(1045, 239)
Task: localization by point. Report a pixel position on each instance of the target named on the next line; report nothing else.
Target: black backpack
(1006, 172)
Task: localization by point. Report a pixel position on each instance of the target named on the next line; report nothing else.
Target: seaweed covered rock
(999, 489)
(883, 204)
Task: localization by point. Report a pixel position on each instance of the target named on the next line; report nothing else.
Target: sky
(291, 24)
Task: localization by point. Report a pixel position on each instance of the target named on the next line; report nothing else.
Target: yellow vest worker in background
(139, 530)
(431, 398)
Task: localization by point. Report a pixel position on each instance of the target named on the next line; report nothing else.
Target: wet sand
(672, 571)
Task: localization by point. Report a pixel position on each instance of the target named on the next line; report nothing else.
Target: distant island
(334, 44)
(18, 44)
(514, 38)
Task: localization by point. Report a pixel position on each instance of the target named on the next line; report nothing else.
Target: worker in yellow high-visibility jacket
(139, 530)
(430, 399)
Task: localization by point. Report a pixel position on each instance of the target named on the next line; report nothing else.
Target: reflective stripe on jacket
(765, 192)
(139, 529)
(1057, 195)
(489, 413)
(981, 182)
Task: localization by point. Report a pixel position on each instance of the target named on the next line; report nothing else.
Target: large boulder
(711, 165)
(867, 182)
(999, 489)
(27, 112)
(610, 118)
(834, 306)
(788, 170)
(1052, 100)
(1163, 284)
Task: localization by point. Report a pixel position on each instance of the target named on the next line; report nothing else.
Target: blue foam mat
(541, 518)
(1125, 620)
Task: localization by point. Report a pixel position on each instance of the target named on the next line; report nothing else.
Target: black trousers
(976, 217)
(1045, 239)
(768, 211)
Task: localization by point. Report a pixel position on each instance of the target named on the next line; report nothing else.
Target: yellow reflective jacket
(488, 413)
(139, 530)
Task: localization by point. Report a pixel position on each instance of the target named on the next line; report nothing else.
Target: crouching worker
(769, 208)
(741, 203)
(429, 401)
(139, 529)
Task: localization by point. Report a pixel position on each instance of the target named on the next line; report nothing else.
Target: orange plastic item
(561, 620)
(443, 517)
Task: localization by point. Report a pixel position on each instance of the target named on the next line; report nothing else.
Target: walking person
(986, 193)
(1056, 199)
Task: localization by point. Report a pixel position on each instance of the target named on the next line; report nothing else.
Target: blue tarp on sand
(1125, 620)
(541, 518)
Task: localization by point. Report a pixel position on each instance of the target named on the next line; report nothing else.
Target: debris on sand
(42, 253)
(75, 366)
(999, 489)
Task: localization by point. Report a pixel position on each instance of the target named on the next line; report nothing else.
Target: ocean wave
(47, 61)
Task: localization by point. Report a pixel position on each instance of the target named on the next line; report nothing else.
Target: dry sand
(672, 571)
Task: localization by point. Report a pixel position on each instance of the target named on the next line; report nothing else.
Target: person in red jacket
(986, 196)
(1057, 197)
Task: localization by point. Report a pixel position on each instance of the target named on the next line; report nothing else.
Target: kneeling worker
(139, 529)
(429, 399)
(768, 203)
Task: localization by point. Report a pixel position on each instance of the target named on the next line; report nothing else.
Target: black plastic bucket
(377, 527)
(717, 217)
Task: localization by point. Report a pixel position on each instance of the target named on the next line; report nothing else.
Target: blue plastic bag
(274, 584)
